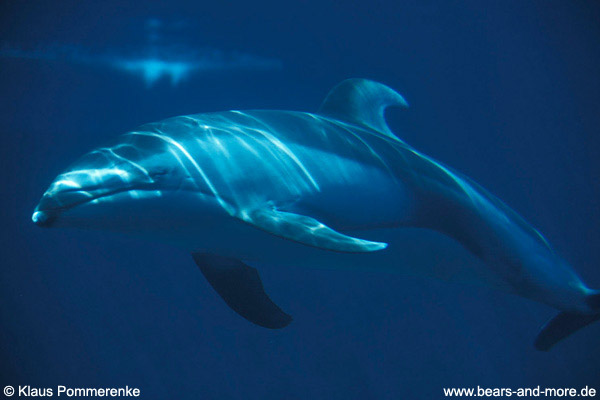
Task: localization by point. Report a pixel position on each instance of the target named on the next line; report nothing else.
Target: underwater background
(506, 92)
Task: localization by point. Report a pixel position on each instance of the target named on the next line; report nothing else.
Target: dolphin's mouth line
(45, 217)
(91, 197)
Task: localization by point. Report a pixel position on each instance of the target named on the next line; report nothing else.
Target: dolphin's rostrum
(332, 188)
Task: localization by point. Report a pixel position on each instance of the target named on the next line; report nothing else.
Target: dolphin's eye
(160, 172)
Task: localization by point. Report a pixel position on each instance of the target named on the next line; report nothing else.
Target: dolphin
(152, 62)
(336, 188)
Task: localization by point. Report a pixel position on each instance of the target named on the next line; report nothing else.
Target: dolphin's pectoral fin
(241, 288)
(362, 102)
(560, 327)
(308, 231)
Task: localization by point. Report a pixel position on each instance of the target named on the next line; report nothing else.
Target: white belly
(197, 223)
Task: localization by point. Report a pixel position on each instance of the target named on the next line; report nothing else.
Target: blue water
(505, 92)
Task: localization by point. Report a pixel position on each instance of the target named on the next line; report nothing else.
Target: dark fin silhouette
(565, 324)
(241, 288)
(362, 102)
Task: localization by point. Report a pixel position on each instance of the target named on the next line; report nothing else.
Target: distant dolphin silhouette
(295, 188)
(151, 63)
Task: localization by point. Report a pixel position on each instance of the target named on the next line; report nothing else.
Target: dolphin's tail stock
(566, 323)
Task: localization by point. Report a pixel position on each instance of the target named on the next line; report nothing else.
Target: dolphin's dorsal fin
(362, 102)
